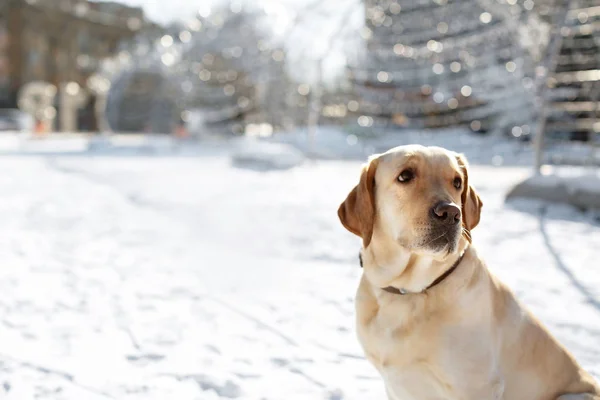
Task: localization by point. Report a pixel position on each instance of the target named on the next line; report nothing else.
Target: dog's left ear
(357, 212)
(471, 203)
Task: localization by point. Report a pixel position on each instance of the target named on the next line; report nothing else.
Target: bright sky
(165, 11)
(168, 10)
(283, 11)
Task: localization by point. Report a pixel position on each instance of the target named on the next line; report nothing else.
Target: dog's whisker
(434, 239)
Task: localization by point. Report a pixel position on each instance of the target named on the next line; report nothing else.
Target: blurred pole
(99, 88)
(593, 159)
(100, 113)
(315, 107)
(538, 143)
(556, 39)
(72, 97)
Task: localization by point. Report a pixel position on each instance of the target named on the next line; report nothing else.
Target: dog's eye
(457, 183)
(406, 176)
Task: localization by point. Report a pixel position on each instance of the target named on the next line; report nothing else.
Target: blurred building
(4, 65)
(59, 41)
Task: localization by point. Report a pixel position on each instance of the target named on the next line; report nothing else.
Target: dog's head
(419, 197)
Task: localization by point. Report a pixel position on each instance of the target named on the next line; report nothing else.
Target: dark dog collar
(437, 281)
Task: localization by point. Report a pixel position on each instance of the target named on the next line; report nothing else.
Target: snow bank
(579, 187)
(10, 141)
(24, 143)
(282, 150)
(259, 155)
(327, 143)
(130, 144)
(340, 143)
(81, 143)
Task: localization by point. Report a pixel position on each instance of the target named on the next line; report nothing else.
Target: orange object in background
(181, 132)
(40, 127)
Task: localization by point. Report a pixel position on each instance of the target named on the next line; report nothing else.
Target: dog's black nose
(446, 213)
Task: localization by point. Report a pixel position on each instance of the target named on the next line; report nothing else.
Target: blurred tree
(234, 73)
(322, 36)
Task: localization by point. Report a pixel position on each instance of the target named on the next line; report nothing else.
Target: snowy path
(186, 278)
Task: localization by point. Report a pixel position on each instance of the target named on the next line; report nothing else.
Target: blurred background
(172, 171)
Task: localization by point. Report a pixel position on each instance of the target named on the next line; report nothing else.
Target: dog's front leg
(580, 396)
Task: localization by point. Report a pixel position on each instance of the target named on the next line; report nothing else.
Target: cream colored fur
(467, 338)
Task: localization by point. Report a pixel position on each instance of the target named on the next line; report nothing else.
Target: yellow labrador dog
(431, 318)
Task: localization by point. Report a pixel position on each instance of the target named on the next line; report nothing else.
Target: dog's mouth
(441, 239)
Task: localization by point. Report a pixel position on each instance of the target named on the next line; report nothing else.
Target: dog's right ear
(357, 212)
(471, 202)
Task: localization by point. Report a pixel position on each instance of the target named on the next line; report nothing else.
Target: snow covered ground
(189, 277)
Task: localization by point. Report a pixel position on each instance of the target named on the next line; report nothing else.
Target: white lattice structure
(568, 130)
(436, 63)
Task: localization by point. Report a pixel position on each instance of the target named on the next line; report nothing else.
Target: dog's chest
(420, 359)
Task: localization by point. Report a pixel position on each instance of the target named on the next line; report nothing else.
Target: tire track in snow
(60, 374)
(256, 320)
(97, 180)
(280, 362)
(591, 299)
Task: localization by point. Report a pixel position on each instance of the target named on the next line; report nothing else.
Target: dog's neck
(391, 265)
